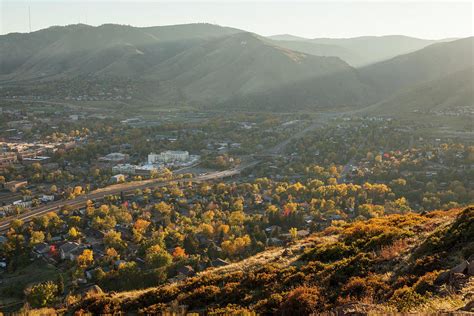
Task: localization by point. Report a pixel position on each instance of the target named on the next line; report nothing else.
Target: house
(41, 249)
(14, 186)
(118, 178)
(302, 233)
(274, 242)
(219, 262)
(272, 229)
(92, 272)
(47, 198)
(66, 251)
(115, 158)
(186, 270)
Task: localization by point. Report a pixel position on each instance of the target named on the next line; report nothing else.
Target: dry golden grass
(394, 250)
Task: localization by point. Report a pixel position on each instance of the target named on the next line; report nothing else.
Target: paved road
(278, 149)
(117, 189)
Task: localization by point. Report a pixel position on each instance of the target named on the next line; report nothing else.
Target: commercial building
(168, 156)
(14, 186)
(115, 157)
(145, 170)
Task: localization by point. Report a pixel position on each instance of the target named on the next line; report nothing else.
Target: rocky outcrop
(458, 275)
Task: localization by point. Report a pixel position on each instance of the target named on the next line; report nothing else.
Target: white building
(124, 168)
(114, 157)
(118, 178)
(134, 169)
(168, 156)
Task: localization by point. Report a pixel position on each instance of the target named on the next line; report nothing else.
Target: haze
(433, 20)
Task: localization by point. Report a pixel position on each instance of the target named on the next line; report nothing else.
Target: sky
(430, 20)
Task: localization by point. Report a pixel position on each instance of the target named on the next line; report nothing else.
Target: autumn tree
(85, 259)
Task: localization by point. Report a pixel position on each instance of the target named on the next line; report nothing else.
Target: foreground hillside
(409, 262)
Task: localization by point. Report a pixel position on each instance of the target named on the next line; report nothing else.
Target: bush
(426, 283)
(372, 289)
(202, 296)
(302, 300)
(405, 299)
(329, 252)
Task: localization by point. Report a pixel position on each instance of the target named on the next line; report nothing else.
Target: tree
(141, 225)
(111, 255)
(85, 259)
(179, 253)
(73, 233)
(294, 233)
(157, 257)
(207, 230)
(236, 218)
(42, 294)
(113, 239)
(36, 238)
(60, 284)
(163, 208)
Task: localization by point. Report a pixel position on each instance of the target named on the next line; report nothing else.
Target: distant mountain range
(211, 65)
(357, 51)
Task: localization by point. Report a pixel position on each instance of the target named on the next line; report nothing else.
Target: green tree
(42, 294)
(157, 257)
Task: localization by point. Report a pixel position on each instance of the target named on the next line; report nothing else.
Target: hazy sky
(304, 18)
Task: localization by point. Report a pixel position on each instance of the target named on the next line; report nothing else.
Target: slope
(317, 49)
(109, 49)
(372, 49)
(406, 263)
(454, 92)
(238, 65)
(430, 63)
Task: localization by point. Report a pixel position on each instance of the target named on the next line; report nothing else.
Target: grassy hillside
(452, 92)
(357, 51)
(330, 92)
(401, 263)
(372, 49)
(239, 65)
(109, 49)
(430, 63)
(319, 49)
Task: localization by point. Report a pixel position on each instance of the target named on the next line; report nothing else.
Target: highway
(116, 189)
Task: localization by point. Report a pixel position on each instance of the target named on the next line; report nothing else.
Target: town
(296, 175)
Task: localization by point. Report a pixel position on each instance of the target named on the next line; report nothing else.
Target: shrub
(230, 310)
(302, 300)
(202, 296)
(405, 299)
(394, 250)
(329, 252)
(426, 283)
(371, 289)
